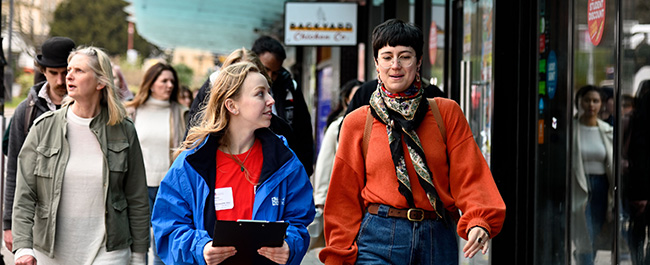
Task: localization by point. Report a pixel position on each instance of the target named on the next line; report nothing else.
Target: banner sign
(320, 23)
(596, 20)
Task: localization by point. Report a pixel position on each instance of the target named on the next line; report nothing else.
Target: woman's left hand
(278, 255)
(477, 239)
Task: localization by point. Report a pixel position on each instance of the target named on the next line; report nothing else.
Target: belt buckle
(408, 214)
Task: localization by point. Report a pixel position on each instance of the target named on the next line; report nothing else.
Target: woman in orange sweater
(397, 205)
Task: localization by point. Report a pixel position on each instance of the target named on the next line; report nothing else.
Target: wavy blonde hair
(100, 64)
(244, 54)
(215, 118)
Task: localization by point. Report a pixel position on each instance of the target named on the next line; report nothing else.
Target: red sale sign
(596, 20)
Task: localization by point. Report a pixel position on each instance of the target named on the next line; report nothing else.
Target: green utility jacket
(41, 166)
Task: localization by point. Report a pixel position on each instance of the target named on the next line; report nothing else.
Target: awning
(213, 25)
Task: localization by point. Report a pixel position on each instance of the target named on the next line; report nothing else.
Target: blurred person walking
(326, 155)
(120, 84)
(289, 102)
(81, 194)
(230, 167)
(43, 97)
(160, 121)
(399, 178)
(186, 97)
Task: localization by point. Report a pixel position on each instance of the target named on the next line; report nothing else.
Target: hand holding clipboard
(248, 242)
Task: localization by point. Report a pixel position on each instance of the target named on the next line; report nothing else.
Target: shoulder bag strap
(366, 133)
(438, 117)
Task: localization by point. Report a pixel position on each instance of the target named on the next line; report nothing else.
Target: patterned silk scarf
(402, 113)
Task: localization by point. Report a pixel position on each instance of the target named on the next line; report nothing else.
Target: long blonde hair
(214, 117)
(100, 64)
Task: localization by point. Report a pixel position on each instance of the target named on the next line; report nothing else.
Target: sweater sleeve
(471, 182)
(344, 211)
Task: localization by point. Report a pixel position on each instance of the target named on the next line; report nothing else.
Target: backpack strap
(29, 113)
(438, 117)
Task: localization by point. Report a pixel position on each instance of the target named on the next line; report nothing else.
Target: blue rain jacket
(183, 215)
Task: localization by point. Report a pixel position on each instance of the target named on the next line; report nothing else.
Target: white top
(325, 161)
(153, 124)
(593, 150)
(43, 94)
(80, 227)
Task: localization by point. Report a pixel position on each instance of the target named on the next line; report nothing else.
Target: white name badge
(223, 199)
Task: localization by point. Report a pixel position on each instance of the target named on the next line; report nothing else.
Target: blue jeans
(153, 191)
(595, 213)
(388, 240)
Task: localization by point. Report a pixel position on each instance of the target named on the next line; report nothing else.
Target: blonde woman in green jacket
(81, 193)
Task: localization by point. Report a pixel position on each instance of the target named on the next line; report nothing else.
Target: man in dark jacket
(44, 96)
(289, 102)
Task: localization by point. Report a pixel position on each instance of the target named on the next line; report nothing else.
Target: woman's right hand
(215, 255)
(26, 260)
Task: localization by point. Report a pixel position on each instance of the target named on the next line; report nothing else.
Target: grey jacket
(16, 139)
(41, 165)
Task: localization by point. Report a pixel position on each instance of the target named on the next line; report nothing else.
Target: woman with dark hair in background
(593, 178)
(160, 121)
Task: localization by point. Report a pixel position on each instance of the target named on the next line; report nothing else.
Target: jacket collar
(275, 153)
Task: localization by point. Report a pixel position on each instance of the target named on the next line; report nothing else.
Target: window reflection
(634, 144)
(592, 175)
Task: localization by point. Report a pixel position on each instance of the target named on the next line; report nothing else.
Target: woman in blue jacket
(232, 167)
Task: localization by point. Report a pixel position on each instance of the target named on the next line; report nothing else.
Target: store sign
(433, 43)
(596, 20)
(320, 24)
(551, 74)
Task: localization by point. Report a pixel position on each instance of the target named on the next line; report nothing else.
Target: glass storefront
(593, 180)
(633, 133)
(593, 167)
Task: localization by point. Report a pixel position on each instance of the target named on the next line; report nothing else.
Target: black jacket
(17, 137)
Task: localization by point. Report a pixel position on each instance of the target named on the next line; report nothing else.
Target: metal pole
(7, 82)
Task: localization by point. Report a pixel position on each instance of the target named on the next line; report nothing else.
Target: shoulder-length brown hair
(147, 82)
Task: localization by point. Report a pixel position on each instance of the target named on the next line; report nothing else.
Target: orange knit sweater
(464, 183)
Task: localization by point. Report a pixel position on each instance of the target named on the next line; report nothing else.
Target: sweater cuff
(480, 223)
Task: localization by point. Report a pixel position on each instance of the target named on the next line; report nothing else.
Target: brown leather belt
(413, 214)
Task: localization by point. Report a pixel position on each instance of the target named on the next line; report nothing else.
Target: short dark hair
(268, 44)
(395, 32)
(586, 89)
